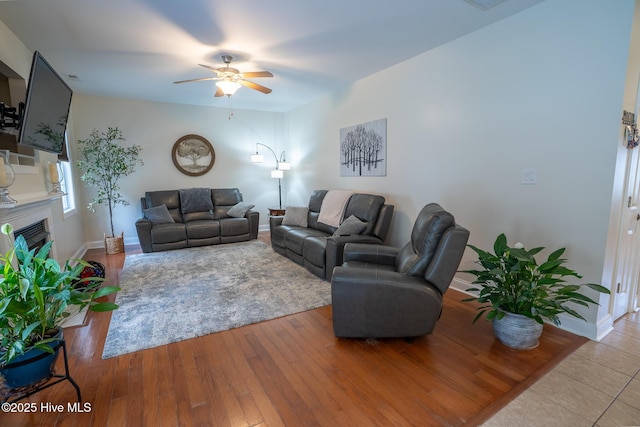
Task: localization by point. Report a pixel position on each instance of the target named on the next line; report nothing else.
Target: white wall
(156, 127)
(542, 89)
(69, 238)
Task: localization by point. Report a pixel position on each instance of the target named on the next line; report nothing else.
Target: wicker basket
(114, 245)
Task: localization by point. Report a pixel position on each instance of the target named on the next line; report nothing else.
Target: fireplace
(36, 234)
(33, 218)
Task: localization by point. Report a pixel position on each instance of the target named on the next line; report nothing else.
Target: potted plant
(517, 293)
(104, 162)
(35, 290)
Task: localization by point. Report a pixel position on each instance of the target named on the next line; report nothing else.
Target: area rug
(76, 317)
(176, 295)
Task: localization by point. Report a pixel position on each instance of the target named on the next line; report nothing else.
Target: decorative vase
(114, 245)
(31, 367)
(517, 331)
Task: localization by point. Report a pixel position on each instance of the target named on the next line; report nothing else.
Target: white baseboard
(99, 244)
(80, 252)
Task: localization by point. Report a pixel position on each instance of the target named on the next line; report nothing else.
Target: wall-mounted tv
(46, 108)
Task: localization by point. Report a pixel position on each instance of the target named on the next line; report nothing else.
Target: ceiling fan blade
(254, 74)
(219, 92)
(255, 86)
(208, 67)
(197, 80)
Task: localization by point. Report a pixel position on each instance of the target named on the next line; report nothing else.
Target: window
(68, 200)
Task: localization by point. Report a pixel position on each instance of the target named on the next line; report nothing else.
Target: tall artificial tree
(104, 162)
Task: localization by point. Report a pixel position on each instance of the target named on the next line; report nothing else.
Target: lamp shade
(277, 173)
(285, 166)
(257, 158)
(229, 87)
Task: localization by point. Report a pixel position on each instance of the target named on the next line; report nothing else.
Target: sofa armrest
(375, 254)
(274, 221)
(254, 222)
(335, 249)
(143, 228)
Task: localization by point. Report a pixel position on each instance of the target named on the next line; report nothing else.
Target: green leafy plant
(512, 280)
(34, 293)
(104, 162)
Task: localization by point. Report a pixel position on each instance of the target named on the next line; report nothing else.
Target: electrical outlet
(529, 176)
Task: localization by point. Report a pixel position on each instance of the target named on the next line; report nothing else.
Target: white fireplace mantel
(27, 202)
(29, 209)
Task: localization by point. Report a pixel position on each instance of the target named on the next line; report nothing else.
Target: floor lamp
(281, 166)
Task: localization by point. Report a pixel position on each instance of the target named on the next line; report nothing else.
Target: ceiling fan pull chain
(230, 107)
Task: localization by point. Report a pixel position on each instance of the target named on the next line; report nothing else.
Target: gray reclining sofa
(316, 246)
(176, 219)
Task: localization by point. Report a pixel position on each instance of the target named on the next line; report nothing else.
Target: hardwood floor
(292, 371)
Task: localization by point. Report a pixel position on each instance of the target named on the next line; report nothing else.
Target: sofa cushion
(168, 233)
(202, 229)
(431, 223)
(195, 200)
(296, 215)
(294, 239)
(223, 200)
(170, 198)
(234, 226)
(314, 249)
(198, 216)
(239, 210)
(315, 203)
(158, 215)
(349, 226)
(226, 196)
(367, 208)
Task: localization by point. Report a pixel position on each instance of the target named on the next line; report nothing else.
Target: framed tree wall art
(363, 149)
(193, 155)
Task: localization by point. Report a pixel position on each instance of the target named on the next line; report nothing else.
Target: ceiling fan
(230, 79)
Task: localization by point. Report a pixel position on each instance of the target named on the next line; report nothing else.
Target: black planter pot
(31, 367)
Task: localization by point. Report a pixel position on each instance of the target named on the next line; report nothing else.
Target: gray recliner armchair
(383, 291)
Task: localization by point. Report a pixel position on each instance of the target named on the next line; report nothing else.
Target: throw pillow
(351, 225)
(239, 210)
(296, 215)
(158, 215)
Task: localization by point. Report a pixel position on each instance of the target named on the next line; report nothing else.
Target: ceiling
(138, 48)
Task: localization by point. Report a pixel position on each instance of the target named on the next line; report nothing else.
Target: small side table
(277, 211)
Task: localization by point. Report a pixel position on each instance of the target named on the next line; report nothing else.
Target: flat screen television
(46, 108)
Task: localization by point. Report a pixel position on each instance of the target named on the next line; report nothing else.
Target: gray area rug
(176, 295)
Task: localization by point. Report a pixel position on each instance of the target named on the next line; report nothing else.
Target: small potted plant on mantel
(104, 162)
(35, 292)
(517, 293)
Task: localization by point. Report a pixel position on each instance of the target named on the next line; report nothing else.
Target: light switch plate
(529, 176)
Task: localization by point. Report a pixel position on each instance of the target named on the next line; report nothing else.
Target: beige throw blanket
(333, 205)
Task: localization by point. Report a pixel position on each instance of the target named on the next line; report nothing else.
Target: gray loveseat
(176, 219)
(318, 246)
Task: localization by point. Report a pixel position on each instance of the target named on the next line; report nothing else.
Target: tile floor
(597, 385)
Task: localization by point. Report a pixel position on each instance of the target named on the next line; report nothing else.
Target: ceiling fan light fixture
(229, 87)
